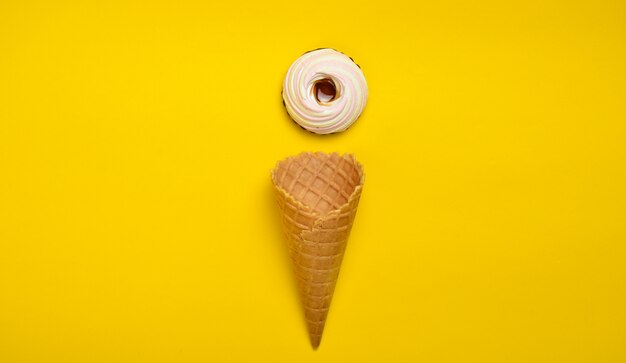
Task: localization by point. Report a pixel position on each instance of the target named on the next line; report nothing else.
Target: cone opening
(321, 182)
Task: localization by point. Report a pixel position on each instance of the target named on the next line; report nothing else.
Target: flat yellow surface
(137, 222)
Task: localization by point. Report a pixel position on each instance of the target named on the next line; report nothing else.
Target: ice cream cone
(318, 195)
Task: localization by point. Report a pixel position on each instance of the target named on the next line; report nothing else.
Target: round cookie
(324, 91)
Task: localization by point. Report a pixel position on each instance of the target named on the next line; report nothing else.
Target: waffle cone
(318, 195)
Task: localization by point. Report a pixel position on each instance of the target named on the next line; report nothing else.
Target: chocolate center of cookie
(325, 90)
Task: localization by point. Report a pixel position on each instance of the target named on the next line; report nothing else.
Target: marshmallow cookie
(324, 91)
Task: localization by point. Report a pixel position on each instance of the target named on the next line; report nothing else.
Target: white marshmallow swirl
(324, 91)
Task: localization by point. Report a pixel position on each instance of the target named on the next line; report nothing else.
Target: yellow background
(137, 222)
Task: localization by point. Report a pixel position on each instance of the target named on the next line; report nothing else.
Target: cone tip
(315, 341)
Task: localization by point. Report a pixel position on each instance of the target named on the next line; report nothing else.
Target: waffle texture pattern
(318, 195)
